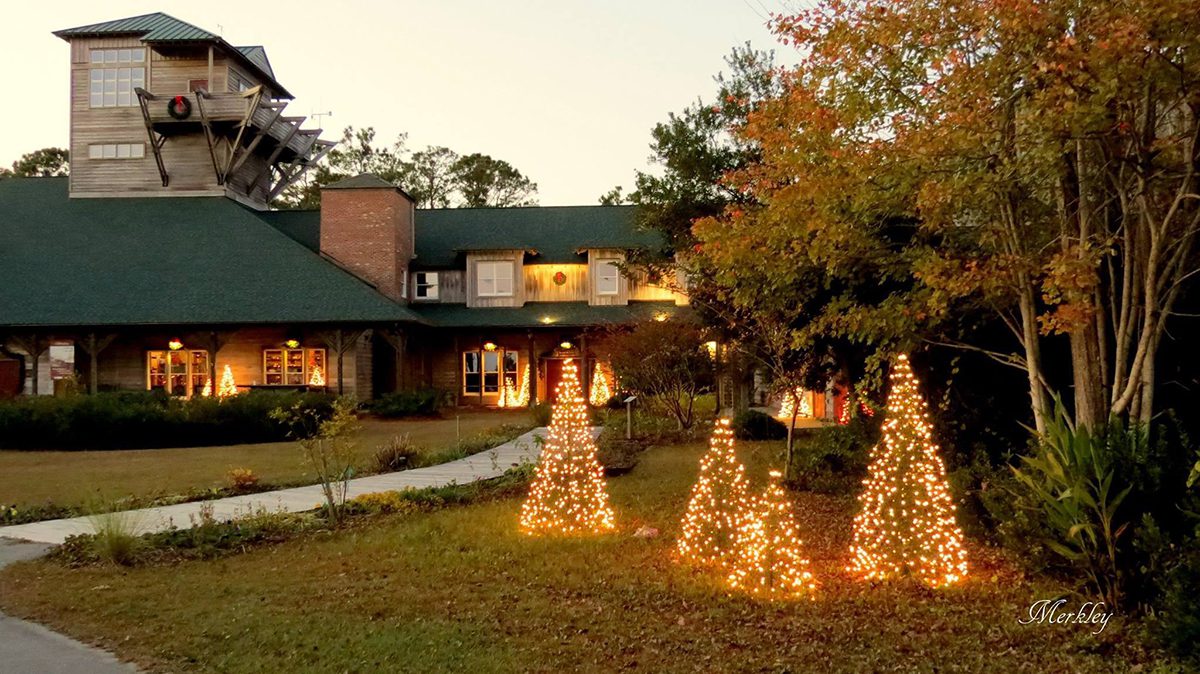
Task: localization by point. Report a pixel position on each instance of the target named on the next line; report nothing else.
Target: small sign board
(62, 360)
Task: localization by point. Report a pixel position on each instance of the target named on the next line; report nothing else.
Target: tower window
(114, 74)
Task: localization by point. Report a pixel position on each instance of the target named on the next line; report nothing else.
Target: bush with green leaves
(329, 448)
(144, 419)
(755, 425)
(833, 459)
(423, 402)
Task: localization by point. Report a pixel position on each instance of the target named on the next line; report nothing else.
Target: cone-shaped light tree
(906, 525)
(227, 386)
(568, 495)
(718, 505)
(600, 390)
(769, 559)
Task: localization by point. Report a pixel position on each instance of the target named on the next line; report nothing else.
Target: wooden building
(158, 263)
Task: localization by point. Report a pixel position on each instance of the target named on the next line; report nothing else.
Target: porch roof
(544, 314)
(164, 260)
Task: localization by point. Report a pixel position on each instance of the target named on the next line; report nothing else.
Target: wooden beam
(93, 345)
(245, 153)
(156, 140)
(201, 94)
(340, 341)
(295, 122)
(236, 146)
(396, 338)
(33, 345)
(532, 364)
(295, 167)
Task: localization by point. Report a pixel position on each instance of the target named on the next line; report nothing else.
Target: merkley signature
(1053, 612)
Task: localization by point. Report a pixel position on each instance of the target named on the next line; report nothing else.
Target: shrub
(1178, 616)
(541, 414)
(755, 425)
(116, 538)
(390, 502)
(328, 447)
(144, 419)
(833, 459)
(242, 480)
(398, 454)
(424, 402)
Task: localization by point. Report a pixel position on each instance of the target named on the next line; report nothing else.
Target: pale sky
(566, 90)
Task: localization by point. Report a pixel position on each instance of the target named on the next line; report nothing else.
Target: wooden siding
(540, 287)
(595, 255)
(640, 288)
(517, 299)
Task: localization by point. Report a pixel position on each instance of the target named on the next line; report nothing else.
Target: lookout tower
(161, 107)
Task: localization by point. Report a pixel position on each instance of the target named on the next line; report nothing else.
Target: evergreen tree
(718, 505)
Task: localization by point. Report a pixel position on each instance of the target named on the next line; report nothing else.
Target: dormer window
(494, 279)
(608, 277)
(426, 285)
(114, 74)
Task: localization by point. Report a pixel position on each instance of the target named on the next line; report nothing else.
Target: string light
(513, 395)
(227, 387)
(568, 495)
(316, 376)
(207, 390)
(718, 505)
(906, 525)
(600, 390)
(788, 404)
(769, 559)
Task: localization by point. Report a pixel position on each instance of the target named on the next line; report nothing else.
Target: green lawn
(77, 478)
(461, 590)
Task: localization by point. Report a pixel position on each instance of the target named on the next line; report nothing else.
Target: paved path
(487, 464)
(27, 647)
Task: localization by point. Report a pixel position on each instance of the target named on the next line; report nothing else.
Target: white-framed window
(494, 279)
(117, 151)
(180, 373)
(427, 285)
(404, 283)
(114, 74)
(484, 371)
(608, 277)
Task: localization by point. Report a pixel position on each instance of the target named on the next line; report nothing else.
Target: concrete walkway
(484, 465)
(28, 647)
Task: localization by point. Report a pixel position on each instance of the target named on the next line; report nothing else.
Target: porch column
(533, 370)
(93, 345)
(397, 340)
(340, 341)
(585, 379)
(215, 341)
(35, 346)
(456, 358)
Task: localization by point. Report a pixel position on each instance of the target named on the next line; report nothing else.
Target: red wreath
(559, 278)
(179, 107)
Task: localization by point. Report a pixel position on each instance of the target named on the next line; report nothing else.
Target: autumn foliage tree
(1034, 159)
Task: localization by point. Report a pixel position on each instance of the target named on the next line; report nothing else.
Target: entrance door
(553, 376)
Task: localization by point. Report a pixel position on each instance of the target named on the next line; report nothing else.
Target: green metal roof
(258, 56)
(159, 27)
(163, 260)
(556, 233)
(156, 27)
(543, 314)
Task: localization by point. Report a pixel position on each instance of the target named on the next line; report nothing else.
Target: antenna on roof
(318, 115)
(220, 30)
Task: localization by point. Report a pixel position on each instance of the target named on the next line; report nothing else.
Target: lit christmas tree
(227, 387)
(316, 376)
(207, 390)
(789, 404)
(600, 391)
(906, 524)
(513, 395)
(568, 495)
(719, 504)
(769, 559)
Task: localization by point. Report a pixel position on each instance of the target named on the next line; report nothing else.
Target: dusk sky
(566, 91)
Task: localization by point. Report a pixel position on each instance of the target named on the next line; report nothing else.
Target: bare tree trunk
(1033, 359)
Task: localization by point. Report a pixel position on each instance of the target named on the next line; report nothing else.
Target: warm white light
(174, 345)
(568, 495)
(316, 376)
(600, 390)
(292, 343)
(769, 559)
(227, 386)
(660, 316)
(718, 504)
(565, 345)
(906, 524)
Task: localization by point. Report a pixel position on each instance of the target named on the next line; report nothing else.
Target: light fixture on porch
(547, 320)
(565, 345)
(174, 345)
(660, 316)
(292, 343)
(489, 346)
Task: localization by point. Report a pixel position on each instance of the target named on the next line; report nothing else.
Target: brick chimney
(367, 228)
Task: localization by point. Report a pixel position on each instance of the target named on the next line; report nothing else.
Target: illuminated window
(291, 367)
(179, 373)
(427, 285)
(483, 370)
(494, 279)
(608, 277)
(114, 74)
